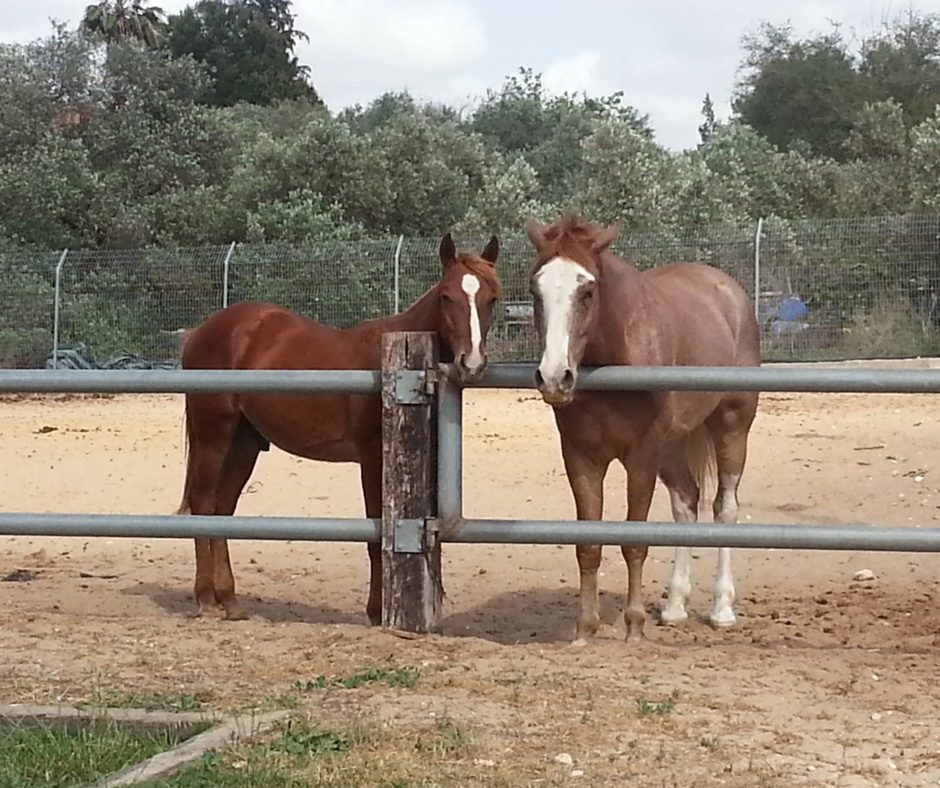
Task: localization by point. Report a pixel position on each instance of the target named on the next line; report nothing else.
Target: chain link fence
(827, 289)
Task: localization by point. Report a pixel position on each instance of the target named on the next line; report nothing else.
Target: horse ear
(536, 232)
(607, 236)
(491, 252)
(448, 251)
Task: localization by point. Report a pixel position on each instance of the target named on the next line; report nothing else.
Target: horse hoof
(671, 618)
(236, 614)
(723, 620)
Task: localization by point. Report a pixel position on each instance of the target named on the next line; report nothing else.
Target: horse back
(705, 315)
(259, 335)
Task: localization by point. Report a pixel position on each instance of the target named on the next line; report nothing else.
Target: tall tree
(902, 65)
(800, 93)
(248, 46)
(709, 125)
(115, 21)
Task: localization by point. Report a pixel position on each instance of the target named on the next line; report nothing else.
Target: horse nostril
(567, 380)
(539, 380)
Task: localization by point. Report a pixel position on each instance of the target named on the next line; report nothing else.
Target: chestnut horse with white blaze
(226, 432)
(596, 309)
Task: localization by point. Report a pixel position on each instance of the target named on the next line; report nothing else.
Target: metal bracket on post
(414, 386)
(410, 534)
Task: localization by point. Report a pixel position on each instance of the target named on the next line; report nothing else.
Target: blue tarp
(791, 309)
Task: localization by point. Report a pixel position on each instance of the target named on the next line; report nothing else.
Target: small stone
(863, 575)
(564, 758)
(483, 762)
(577, 773)
(876, 716)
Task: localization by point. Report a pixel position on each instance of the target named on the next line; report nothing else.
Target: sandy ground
(825, 680)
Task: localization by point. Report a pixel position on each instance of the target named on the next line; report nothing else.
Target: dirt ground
(825, 680)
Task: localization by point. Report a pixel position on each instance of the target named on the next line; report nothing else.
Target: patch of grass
(151, 701)
(406, 677)
(300, 739)
(279, 763)
(447, 740)
(51, 758)
(654, 709)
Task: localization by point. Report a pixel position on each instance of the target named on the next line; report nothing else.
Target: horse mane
(570, 237)
(480, 267)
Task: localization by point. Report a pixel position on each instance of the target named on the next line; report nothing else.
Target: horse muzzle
(470, 367)
(557, 391)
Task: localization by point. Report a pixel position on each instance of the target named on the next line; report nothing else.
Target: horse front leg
(641, 481)
(586, 477)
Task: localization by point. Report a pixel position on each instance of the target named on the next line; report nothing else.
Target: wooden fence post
(412, 591)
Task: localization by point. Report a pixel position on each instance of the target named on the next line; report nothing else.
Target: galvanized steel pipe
(826, 380)
(255, 381)
(795, 537)
(141, 526)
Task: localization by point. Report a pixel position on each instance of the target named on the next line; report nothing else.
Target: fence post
(225, 268)
(397, 283)
(412, 592)
(55, 309)
(760, 225)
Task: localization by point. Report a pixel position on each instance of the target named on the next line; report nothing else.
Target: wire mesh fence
(826, 289)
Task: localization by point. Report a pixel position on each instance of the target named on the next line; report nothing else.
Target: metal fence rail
(450, 525)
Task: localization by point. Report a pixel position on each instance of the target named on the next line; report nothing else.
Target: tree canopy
(213, 133)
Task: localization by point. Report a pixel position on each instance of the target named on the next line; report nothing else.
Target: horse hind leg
(728, 428)
(236, 470)
(211, 427)
(684, 494)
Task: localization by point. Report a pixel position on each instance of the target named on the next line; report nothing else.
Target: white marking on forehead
(557, 282)
(471, 286)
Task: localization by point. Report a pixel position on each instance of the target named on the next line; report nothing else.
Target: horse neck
(423, 315)
(623, 307)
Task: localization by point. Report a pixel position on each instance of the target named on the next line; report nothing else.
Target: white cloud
(360, 49)
(416, 36)
(578, 74)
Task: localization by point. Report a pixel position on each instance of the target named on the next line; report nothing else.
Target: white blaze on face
(471, 286)
(557, 283)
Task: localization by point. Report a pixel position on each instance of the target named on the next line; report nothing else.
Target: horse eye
(446, 298)
(587, 295)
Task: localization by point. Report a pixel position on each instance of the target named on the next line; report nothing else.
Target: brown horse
(595, 308)
(225, 432)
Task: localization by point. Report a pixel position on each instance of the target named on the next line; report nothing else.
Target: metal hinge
(410, 534)
(415, 386)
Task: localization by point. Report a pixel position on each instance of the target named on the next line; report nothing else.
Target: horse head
(564, 283)
(467, 292)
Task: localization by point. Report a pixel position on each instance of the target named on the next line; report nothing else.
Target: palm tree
(115, 21)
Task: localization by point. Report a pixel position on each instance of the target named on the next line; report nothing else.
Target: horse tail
(184, 507)
(700, 456)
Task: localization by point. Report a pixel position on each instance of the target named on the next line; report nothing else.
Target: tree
(902, 64)
(548, 130)
(115, 21)
(393, 105)
(799, 92)
(248, 46)
(709, 125)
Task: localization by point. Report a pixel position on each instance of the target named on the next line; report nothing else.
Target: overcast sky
(665, 56)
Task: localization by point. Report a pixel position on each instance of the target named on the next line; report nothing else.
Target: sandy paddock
(825, 680)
